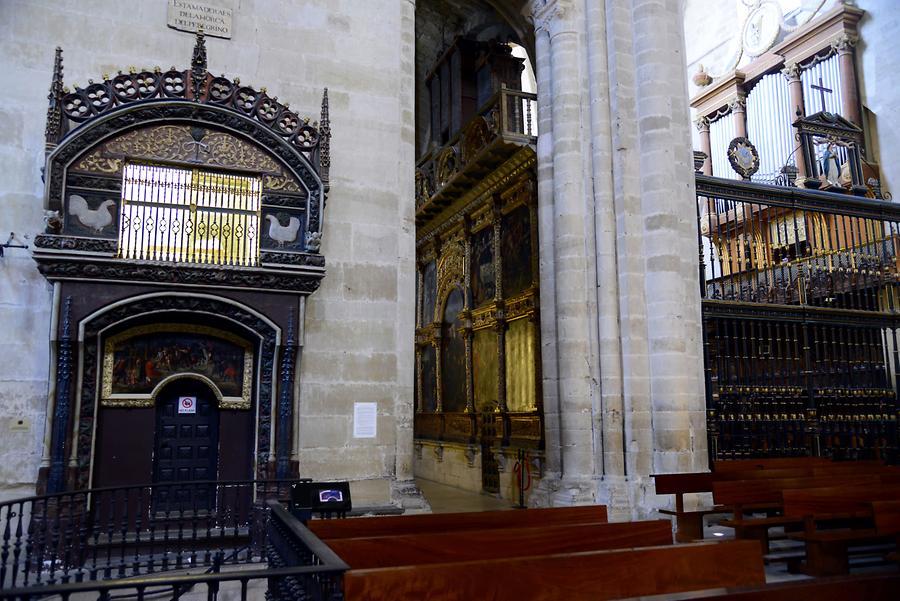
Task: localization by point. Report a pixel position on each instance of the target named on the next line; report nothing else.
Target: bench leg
(690, 528)
(826, 558)
(754, 533)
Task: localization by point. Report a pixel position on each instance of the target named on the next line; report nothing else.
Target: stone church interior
(449, 299)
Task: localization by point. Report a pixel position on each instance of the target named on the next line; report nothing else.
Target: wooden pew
(444, 522)
(886, 515)
(468, 545)
(868, 587)
(743, 495)
(689, 524)
(591, 576)
(827, 549)
(769, 463)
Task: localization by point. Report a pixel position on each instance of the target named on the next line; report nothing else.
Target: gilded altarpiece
(478, 349)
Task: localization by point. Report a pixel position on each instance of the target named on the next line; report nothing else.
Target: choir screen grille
(189, 216)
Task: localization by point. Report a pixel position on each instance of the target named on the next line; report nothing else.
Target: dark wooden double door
(186, 448)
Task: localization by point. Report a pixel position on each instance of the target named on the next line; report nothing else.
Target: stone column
(575, 300)
(791, 72)
(702, 124)
(668, 207)
(738, 108)
(844, 45)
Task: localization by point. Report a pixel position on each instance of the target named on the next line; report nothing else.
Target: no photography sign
(187, 404)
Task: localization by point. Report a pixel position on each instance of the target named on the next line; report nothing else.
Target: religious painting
(453, 355)
(429, 292)
(521, 392)
(515, 247)
(485, 370)
(429, 379)
(483, 278)
(138, 360)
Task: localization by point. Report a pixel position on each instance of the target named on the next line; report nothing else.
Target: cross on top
(822, 89)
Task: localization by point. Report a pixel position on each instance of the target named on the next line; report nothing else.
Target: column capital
(544, 13)
(844, 42)
(738, 105)
(791, 72)
(702, 124)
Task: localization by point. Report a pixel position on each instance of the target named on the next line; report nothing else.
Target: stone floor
(449, 499)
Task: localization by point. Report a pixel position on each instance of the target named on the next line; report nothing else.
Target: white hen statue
(96, 219)
(283, 233)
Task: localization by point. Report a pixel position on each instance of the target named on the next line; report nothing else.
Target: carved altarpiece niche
(152, 316)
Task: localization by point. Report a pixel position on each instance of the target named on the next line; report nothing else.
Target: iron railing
(297, 566)
(121, 532)
(801, 312)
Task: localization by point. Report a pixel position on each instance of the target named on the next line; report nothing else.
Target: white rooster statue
(283, 233)
(96, 219)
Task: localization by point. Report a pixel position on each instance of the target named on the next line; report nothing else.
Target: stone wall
(359, 325)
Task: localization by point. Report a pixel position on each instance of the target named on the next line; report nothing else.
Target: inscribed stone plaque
(189, 15)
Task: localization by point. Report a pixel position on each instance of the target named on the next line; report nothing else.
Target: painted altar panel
(138, 360)
(429, 292)
(521, 394)
(453, 355)
(485, 370)
(515, 247)
(429, 379)
(482, 268)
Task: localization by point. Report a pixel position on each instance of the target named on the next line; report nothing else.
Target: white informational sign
(365, 419)
(187, 404)
(190, 15)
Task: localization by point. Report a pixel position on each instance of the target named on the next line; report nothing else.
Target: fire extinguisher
(523, 475)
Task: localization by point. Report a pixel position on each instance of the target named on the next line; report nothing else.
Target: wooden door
(186, 448)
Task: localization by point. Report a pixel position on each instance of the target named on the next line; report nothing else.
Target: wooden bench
(468, 545)
(827, 549)
(886, 515)
(870, 587)
(590, 576)
(769, 463)
(448, 522)
(743, 496)
(689, 524)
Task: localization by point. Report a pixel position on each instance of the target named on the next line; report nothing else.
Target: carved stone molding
(439, 453)
(63, 268)
(844, 43)
(791, 72)
(702, 124)
(738, 105)
(548, 15)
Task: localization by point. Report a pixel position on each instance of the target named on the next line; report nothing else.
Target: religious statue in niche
(136, 361)
(830, 166)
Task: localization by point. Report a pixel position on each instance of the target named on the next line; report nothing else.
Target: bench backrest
(448, 522)
(836, 500)
(690, 482)
(747, 492)
(887, 516)
(769, 463)
(415, 549)
(591, 576)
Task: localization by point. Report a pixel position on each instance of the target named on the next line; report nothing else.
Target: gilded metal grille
(189, 216)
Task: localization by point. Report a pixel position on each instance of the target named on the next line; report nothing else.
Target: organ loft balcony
(495, 144)
(482, 126)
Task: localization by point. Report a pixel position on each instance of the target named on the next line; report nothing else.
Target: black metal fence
(118, 532)
(801, 311)
(297, 565)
